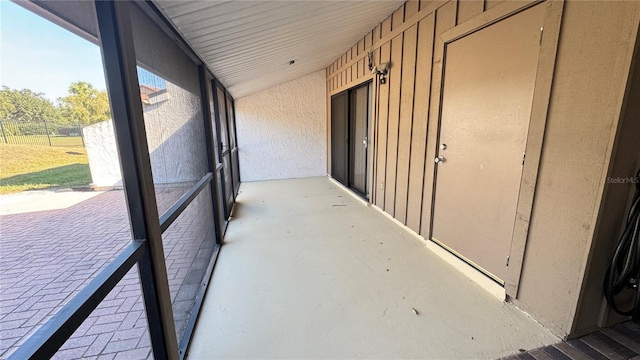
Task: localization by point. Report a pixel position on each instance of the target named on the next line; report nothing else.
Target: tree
(26, 105)
(85, 104)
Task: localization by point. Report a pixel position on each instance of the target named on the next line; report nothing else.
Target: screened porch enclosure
(388, 179)
(177, 160)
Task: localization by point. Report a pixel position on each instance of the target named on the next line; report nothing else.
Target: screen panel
(340, 137)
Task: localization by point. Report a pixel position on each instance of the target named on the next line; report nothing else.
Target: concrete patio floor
(307, 271)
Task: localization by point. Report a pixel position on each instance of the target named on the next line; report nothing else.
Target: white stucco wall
(100, 142)
(175, 137)
(282, 130)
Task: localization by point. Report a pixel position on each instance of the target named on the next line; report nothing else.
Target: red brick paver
(47, 257)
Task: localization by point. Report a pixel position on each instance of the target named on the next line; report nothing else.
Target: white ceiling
(248, 44)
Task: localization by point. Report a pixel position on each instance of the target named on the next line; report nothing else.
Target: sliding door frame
(344, 157)
(351, 142)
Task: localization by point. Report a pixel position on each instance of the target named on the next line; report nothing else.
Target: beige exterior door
(488, 88)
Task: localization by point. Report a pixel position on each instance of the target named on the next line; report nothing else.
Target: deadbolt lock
(443, 147)
(439, 159)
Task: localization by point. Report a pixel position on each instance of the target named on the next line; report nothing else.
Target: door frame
(367, 189)
(221, 107)
(368, 168)
(537, 122)
(334, 141)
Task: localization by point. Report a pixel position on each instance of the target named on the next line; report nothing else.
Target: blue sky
(39, 55)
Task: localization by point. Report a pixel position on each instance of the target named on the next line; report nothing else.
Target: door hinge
(541, 31)
(524, 154)
(507, 261)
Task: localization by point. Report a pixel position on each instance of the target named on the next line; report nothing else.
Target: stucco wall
(104, 164)
(282, 130)
(175, 137)
(583, 115)
(616, 195)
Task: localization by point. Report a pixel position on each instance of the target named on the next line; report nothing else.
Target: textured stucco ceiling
(248, 44)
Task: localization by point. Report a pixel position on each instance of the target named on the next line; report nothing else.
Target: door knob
(439, 159)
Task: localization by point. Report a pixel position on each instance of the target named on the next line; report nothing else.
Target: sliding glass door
(340, 137)
(358, 129)
(349, 138)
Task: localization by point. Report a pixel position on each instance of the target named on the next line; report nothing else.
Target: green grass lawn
(30, 167)
(44, 140)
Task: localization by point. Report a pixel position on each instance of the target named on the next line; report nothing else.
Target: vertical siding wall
(592, 66)
(409, 39)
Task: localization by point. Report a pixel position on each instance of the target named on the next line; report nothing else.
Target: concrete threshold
(308, 271)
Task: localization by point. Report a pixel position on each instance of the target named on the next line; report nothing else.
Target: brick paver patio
(47, 257)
